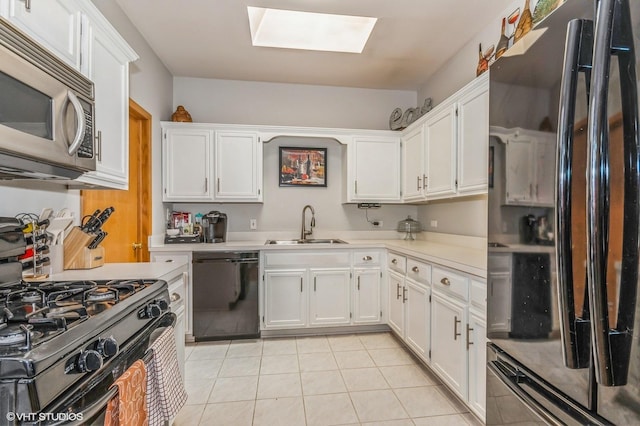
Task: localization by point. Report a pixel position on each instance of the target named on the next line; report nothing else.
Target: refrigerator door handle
(574, 327)
(612, 347)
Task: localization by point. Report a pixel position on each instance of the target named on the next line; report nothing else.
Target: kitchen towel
(166, 394)
(128, 407)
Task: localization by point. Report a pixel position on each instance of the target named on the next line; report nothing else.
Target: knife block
(76, 253)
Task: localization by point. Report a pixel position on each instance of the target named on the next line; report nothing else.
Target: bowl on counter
(173, 232)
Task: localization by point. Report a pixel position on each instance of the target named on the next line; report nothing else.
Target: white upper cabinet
(53, 23)
(413, 164)
(187, 164)
(440, 140)
(108, 67)
(373, 169)
(530, 167)
(445, 152)
(238, 166)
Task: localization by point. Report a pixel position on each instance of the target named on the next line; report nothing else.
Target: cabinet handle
(355, 184)
(424, 181)
(404, 294)
(537, 191)
(530, 190)
(174, 297)
(27, 5)
(300, 284)
(418, 184)
(218, 184)
(206, 185)
(455, 328)
(415, 269)
(397, 291)
(394, 261)
(358, 283)
(445, 281)
(314, 283)
(367, 258)
(469, 342)
(168, 261)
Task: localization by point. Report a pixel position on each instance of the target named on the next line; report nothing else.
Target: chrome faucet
(304, 232)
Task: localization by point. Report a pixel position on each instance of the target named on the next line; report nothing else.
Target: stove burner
(31, 296)
(101, 294)
(15, 334)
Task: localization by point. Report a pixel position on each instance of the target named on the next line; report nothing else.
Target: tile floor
(363, 379)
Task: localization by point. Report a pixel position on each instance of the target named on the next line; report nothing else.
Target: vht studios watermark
(42, 417)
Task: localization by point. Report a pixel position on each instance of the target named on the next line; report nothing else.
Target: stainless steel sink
(306, 241)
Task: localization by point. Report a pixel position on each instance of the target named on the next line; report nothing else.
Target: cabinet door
(477, 344)
(187, 163)
(329, 301)
(473, 140)
(448, 347)
(519, 171)
(285, 301)
(367, 296)
(545, 163)
(53, 23)
(108, 68)
(418, 318)
(413, 164)
(238, 170)
(179, 330)
(440, 140)
(396, 296)
(375, 174)
(499, 302)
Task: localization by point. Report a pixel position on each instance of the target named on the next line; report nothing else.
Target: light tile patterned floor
(364, 379)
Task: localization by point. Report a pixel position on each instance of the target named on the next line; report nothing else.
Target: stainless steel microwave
(46, 112)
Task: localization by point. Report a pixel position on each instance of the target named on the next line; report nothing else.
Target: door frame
(138, 113)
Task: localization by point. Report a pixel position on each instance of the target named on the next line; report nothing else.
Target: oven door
(87, 402)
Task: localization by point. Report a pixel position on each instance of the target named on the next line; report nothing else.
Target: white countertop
(118, 271)
(523, 248)
(470, 258)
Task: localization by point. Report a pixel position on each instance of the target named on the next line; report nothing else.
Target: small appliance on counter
(409, 227)
(535, 230)
(214, 227)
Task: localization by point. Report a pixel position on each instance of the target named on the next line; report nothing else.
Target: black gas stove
(62, 343)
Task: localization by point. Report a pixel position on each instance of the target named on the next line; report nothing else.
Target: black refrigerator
(563, 316)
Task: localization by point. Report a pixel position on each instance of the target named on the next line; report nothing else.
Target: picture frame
(301, 166)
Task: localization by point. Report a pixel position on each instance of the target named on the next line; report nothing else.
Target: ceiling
(410, 41)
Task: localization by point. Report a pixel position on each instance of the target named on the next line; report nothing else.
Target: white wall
(282, 208)
(250, 102)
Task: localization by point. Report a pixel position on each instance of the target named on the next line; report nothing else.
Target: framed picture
(303, 166)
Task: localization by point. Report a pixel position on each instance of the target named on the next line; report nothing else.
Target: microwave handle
(77, 106)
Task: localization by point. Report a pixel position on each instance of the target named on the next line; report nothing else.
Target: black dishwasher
(225, 295)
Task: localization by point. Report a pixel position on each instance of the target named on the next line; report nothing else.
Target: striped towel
(165, 390)
(128, 407)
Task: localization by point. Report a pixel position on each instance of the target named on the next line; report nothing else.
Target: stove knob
(153, 310)
(162, 304)
(89, 361)
(107, 347)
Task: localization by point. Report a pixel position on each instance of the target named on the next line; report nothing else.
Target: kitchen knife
(91, 221)
(100, 220)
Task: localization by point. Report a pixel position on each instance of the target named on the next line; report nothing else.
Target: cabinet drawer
(448, 281)
(479, 293)
(178, 259)
(311, 259)
(366, 257)
(499, 262)
(419, 271)
(177, 292)
(398, 263)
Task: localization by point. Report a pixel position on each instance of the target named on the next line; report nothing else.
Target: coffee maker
(214, 227)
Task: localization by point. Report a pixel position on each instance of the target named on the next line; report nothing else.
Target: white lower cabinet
(477, 347)
(448, 351)
(329, 301)
(396, 302)
(366, 296)
(418, 321)
(285, 298)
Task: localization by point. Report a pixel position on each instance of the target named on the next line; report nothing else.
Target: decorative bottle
(525, 23)
(503, 43)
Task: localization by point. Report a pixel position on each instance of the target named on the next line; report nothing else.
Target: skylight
(290, 29)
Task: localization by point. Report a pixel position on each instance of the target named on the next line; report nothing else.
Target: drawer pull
(415, 269)
(455, 327)
(358, 283)
(394, 261)
(445, 281)
(367, 258)
(175, 297)
(168, 261)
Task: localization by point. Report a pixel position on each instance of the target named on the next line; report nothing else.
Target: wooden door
(130, 224)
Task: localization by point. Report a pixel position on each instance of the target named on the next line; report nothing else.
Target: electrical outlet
(376, 223)
(253, 224)
(434, 223)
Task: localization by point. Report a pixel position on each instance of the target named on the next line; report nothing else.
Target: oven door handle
(79, 137)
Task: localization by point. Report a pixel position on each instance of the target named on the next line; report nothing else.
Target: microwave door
(31, 109)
